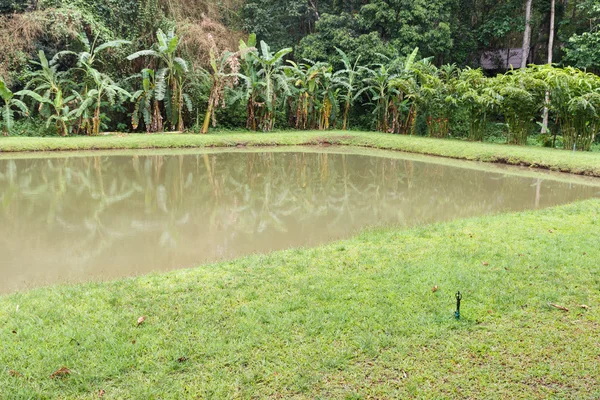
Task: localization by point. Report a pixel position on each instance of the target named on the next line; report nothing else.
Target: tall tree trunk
(550, 49)
(180, 125)
(527, 34)
(207, 118)
(346, 110)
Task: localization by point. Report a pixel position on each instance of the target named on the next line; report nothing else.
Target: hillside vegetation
(82, 67)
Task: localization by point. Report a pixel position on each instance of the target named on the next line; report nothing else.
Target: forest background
(462, 33)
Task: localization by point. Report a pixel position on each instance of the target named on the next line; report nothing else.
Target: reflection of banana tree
(228, 200)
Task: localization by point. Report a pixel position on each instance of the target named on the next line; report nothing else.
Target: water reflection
(80, 218)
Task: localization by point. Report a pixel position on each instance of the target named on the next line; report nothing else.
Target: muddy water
(72, 219)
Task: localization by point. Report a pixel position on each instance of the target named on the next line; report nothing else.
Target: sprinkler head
(458, 299)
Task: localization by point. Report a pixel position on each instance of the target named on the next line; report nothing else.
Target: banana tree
(327, 101)
(248, 72)
(13, 106)
(10, 103)
(300, 100)
(378, 85)
(348, 80)
(391, 86)
(170, 75)
(403, 104)
(307, 101)
(104, 89)
(272, 73)
(220, 76)
(92, 50)
(66, 112)
(51, 84)
(146, 107)
(86, 60)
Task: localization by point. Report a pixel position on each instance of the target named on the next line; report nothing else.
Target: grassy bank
(354, 319)
(553, 159)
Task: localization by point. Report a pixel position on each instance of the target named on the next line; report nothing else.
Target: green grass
(355, 319)
(558, 160)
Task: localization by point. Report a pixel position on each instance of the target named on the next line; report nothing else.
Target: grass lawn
(587, 163)
(355, 319)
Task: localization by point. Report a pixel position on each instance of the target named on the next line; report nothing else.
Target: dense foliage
(402, 95)
(85, 66)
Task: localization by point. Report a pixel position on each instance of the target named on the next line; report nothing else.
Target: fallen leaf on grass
(434, 289)
(60, 373)
(585, 307)
(141, 320)
(550, 230)
(559, 307)
(12, 372)
(485, 263)
(101, 393)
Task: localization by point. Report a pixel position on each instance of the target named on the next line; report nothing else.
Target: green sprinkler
(457, 312)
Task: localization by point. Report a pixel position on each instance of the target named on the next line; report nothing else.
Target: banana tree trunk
(157, 125)
(207, 117)
(346, 110)
(180, 126)
(96, 119)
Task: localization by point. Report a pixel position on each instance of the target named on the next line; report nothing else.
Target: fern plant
(521, 97)
(575, 101)
(478, 98)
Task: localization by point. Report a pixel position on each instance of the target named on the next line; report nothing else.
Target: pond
(72, 218)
